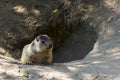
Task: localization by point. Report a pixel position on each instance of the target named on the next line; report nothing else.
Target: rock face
(21, 21)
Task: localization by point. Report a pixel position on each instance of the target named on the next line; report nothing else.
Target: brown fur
(42, 56)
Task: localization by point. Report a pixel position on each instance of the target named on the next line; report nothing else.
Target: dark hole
(77, 46)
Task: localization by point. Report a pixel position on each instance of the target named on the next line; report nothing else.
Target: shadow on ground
(78, 45)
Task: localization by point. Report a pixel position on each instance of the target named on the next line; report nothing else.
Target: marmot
(38, 51)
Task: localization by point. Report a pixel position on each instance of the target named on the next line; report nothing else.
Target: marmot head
(42, 43)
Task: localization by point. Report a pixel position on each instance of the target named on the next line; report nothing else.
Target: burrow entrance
(77, 46)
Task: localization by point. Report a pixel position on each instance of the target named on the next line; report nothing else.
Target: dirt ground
(101, 63)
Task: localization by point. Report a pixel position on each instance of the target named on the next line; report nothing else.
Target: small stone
(26, 74)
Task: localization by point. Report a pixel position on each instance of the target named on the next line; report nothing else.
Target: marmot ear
(50, 46)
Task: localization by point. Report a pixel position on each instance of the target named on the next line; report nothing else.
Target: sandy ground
(97, 65)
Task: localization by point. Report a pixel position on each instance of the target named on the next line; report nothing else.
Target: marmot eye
(37, 39)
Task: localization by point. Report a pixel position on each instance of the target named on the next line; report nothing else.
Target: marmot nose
(43, 42)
